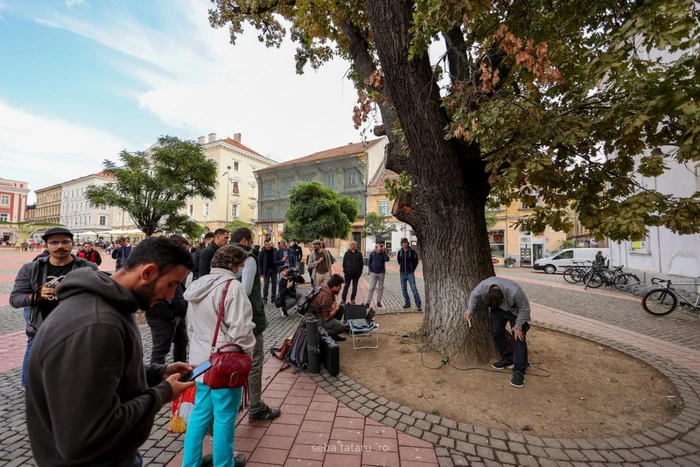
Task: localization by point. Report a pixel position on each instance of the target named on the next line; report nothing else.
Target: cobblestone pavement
(676, 443)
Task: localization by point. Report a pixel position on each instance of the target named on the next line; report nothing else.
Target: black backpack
(304, 303)
(298, 356)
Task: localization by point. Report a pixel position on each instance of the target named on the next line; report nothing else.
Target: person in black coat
(353, 263)
(208, 238)
(221, 238)
(268, 270)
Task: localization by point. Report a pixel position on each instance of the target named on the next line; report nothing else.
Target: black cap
(56, 231)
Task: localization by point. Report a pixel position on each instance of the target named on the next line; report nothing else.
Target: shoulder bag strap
(221, 313)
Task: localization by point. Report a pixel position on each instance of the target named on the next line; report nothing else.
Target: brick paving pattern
(346, 415)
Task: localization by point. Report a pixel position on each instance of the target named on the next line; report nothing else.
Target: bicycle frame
(669, 286)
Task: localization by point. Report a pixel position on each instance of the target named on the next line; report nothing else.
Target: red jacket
(93, 256)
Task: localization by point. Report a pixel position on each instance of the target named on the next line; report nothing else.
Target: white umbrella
(87, 234)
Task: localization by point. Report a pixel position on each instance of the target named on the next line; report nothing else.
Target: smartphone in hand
(196, 373)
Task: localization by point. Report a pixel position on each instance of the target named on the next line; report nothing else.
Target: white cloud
(43, 150)
(195, 81)
(72, 3)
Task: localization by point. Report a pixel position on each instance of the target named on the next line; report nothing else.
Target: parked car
(568, 258)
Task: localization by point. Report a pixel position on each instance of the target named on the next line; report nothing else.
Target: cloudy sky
(81, 80)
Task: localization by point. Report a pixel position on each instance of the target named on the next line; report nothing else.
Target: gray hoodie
(515, 300)
(90, 400)
(203, 297)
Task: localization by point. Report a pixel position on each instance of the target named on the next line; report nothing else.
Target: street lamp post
(228, 191)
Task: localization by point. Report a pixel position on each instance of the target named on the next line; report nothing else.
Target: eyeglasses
(59, 242)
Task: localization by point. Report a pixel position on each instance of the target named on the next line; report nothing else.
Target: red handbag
(229, 369)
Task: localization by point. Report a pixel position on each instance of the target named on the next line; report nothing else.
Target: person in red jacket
(89, 254)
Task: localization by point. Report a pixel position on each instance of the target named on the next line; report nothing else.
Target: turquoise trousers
(220, 405)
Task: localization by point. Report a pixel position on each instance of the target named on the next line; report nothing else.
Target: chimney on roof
(212, 137)
(201, 140)
(237, 137)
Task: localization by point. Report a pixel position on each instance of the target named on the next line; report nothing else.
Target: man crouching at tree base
(508, 304)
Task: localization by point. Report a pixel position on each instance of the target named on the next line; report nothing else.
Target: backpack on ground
(298, 356)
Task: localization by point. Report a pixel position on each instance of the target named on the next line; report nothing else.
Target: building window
(234, 211)
(268, 213)
(4, 217)
(5, 200)
(235, 166)
(252, 212)
(191, 210)
(308, 178)
(235, 188)
(253, 192)
(206, 209)
(287, 184)
(267, 188)
(498, 249)
(330, 180)
(352, 178)
(384, 209)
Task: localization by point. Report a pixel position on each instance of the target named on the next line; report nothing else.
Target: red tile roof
(378, 187)
(233, 142)
(347, 150)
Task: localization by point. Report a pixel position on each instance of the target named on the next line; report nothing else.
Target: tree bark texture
(446, 203)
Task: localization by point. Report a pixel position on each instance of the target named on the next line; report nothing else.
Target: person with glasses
(36, 282)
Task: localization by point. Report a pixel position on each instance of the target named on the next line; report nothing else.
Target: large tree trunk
(447, 200)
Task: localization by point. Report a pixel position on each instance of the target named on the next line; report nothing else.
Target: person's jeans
(270, 275)
(222, 406)
(255, 376)
(499, 318)
(348, 279)
(376, 281)
(334, 326)
(290, 302)
(411, 279)
(30, 341)
(164, 334)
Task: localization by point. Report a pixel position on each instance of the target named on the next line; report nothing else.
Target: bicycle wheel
(659, 302)
(623, 280)
(594, 281)
(572, 276)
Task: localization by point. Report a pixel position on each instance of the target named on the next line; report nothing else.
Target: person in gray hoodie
(90, 400)
(508, 304)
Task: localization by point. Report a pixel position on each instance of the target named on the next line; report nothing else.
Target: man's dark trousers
(270, 275)
(499, 318)
(164, 334)
(354, 280)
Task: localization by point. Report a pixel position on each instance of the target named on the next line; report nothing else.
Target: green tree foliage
(237, 224)
(153, 186)
(377, 228)
(25, 230)
(542, 92)
(317, 212)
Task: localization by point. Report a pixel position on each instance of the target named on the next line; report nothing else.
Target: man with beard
(90, 401)
(327, 310)
(33, 286)
(90, 254)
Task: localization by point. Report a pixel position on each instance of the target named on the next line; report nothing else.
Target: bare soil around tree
(593, 390)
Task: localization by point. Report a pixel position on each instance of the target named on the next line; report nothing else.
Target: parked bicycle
(663, 300)
(594, 276)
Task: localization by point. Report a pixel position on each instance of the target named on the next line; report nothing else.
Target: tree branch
(458, 61)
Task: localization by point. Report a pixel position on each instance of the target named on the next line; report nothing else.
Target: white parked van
(568, 258)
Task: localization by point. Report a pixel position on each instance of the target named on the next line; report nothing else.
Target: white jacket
(204, 296)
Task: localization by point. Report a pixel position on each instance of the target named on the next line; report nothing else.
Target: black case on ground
(330, 352)
(355, 312)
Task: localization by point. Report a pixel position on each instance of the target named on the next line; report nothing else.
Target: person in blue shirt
(377, 268)
(408, 262)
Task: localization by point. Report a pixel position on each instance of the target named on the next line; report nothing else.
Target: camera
(292, 273)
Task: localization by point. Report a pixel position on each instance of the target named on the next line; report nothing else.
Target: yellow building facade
(237, 192)
(48, 205)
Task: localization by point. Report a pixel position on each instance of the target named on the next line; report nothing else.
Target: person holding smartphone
(35, 285)
(90, 399)
(220, 405)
